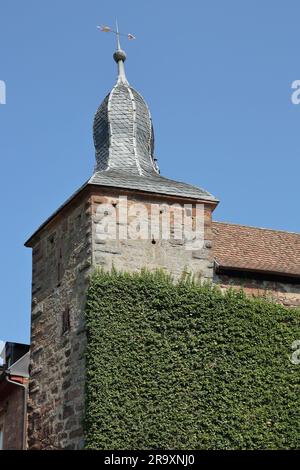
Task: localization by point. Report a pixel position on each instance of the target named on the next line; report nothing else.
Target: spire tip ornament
(120, 55)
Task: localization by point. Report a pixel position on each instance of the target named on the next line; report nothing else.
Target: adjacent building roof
(239, 247)
(21, 367)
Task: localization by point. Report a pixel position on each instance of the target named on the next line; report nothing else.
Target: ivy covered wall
(183, 366)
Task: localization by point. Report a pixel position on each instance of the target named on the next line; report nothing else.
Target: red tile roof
(256, 249)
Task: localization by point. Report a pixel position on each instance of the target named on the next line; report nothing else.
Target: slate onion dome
(123, 131)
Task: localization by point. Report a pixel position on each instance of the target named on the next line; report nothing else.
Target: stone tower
(103, 224)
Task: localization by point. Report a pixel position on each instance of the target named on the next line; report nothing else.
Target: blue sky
(217, 77)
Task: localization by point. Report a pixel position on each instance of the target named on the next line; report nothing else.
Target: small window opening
(51, 240)
(59, 267)
(66, 320)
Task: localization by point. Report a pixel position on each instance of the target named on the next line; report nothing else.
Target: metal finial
(119, 55)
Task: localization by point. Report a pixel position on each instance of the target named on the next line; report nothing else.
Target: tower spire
(119, 55)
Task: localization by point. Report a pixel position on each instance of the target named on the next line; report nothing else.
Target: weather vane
(108, 29)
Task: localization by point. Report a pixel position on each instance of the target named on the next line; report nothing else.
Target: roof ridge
(257, 228)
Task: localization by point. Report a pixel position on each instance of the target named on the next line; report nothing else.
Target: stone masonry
(61, 261)
(170, 255)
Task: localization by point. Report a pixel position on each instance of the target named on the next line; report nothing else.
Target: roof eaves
(27, 243)
(221, 267)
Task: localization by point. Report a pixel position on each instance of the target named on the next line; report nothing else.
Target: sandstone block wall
(61, 262)
(173, 255)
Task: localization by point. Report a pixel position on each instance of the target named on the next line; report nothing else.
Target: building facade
(14, 375)
(97, 227)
